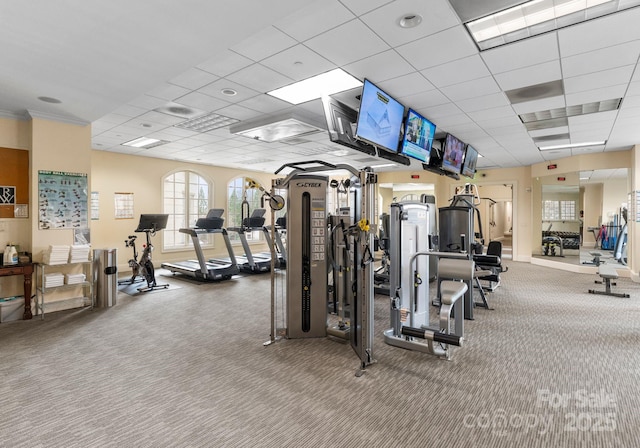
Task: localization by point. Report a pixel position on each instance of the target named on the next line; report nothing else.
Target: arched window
(186, 197)
(235, 195)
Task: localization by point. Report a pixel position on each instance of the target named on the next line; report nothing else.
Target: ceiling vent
(274, 128)
(535, 92)
(179, 110)
(550, 138)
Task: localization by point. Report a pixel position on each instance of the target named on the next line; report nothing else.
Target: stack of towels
(79, 253)
(53, 280)
(74, 279)
(56, 254)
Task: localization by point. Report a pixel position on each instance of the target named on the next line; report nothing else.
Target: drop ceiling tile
(193, 79)
(347, 43)
(471, 89)
(314, 19)
(168, 91)
(359, 7)
(298, 63)
(380, 67)
(539, 105)
(603, 59)
(484, 102)
(442, 110)
(489, 113)
(452, 121)
(405, 85)
(440, 48)
(114, 119)
(524, 53)
(630, 102)
(225, 63)
(599, 119)
(455, 72)
(155, 118)
(263, 44)
(202, 101)
(436, 16)
(634, 86)
(605, 78)
(600, 33)
(529, 76)
(265, 103)
(499, 122)
(238, 112)
(589, 135)
(590, 96)
(129, 110)
(259, 78)
(549, 131)
(215, 90)
(424, 100)
(146, 102)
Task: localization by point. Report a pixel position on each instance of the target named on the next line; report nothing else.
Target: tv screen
(379, 119)
(452, 155)
(470, 160)
(341, 124)
(418, 136)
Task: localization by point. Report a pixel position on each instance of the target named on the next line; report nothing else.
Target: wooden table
(25, 269)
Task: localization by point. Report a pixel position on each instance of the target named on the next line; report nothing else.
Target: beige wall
(142, 176)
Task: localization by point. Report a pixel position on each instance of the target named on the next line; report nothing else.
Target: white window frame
(184, 207)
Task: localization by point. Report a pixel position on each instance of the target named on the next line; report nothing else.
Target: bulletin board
(63, 201)
(14, 182)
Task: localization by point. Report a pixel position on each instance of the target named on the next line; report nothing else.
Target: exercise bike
(149, 224)
(133, 263)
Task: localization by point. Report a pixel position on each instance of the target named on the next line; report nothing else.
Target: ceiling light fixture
(272, 128)
(144, 142)
(571, 145)
(229, 92)
(409, 20)
(538, 16)
(328, 83)
(206, 123)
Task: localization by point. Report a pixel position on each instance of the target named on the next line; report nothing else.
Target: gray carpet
(551, 366)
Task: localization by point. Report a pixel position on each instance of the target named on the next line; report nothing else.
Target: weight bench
(608, 273)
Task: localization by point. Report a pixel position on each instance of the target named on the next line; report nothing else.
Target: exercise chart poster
(63, 200)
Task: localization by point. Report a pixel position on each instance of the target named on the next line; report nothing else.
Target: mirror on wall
(584, 213)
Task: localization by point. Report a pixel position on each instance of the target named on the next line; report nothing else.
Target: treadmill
(201, 269)
(278, 249)
(250, 262)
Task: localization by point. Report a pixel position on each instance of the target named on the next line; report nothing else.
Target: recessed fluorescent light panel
(537, 17)
(144, 142)
(315, 87)
(206, 123)
(571, 145)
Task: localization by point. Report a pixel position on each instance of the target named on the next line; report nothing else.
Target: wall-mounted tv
(341, 124)
(470, 160)
(380, 118)
(418, 136)
(452, 154)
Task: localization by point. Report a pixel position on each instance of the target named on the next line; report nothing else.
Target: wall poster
(62, 200)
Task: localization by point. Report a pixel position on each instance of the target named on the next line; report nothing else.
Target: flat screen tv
(379, 119)
(452, 154)
(418, 136)
(470, 160)
(341, 124)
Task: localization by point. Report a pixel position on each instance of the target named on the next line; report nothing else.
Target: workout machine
(149, 224)
(409, 273)
(457, 235)
(305, 299)
(250, 262)
(201, 269)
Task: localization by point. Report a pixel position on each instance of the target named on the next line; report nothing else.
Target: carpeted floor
(551, 365)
